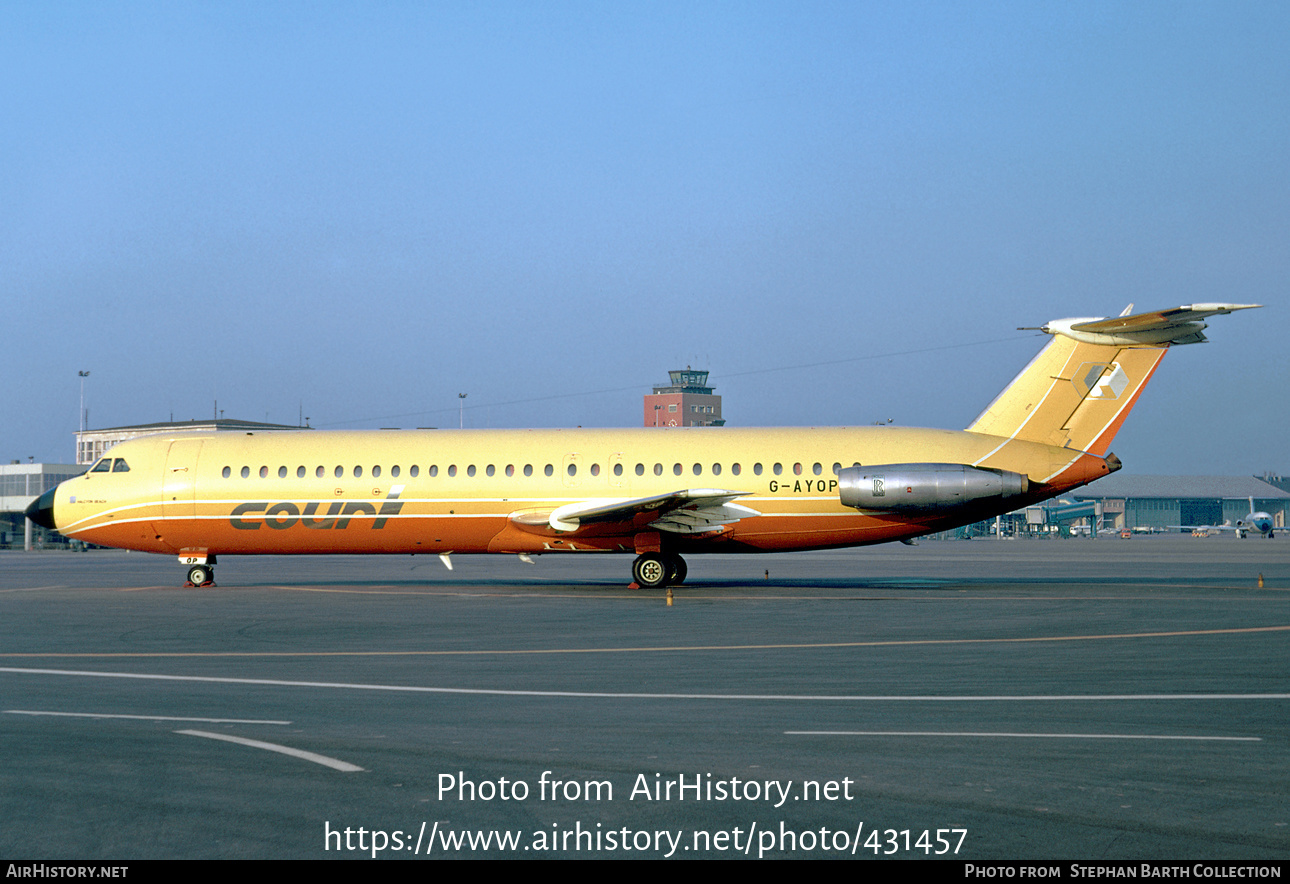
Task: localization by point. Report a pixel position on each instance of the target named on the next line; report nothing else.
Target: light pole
(461, 416)
(82, 375)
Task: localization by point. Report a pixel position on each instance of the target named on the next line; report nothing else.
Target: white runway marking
(143, 717)
(336, 763)
(1017, 735)
(636, 695)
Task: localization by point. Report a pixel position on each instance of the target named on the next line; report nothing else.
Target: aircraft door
(179, 483)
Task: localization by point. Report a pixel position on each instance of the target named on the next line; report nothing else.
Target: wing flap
(689, 511)
(702, 519)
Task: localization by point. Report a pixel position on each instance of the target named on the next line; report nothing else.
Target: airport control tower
(686, 402)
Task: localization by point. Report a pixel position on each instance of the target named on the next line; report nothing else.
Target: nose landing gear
(201, 575)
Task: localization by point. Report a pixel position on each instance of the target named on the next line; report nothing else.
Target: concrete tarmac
(1077, 699)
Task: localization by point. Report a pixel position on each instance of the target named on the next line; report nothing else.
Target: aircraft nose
(41, 510)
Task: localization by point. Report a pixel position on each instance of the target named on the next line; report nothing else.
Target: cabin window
(595, 469)
(320, 472)
(227, 472)
(434, 470)
(640, 469)
(797, 469)
(452, 469)
(510, 470)
(716, 469)
(676, 469)
(470, 470)
(300, 472)
(376, 472)
(548, 470)
(103, 466)
(837, 468)
(756, 469)
(282, 472)
(778, 468)
(528, 469)
(358, 472)
(817, 469)
(490, 469)
(698, 469)
(264, 472)
(618, 469)
(734, 468)
(340, 472)
(246, 472)
(413, 470)
(394, 471)
(573, 469)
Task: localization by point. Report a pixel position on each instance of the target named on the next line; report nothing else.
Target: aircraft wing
(689, 511)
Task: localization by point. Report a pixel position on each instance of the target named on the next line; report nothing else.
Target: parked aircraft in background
(657, 494)
(1257, 522)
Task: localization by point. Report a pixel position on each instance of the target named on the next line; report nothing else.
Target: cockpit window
(120, 466)
(103, 466)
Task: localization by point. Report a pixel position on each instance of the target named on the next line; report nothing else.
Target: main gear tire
(676, 569)
(650, 571)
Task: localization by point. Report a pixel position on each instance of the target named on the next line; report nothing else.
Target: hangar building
(1156, 502)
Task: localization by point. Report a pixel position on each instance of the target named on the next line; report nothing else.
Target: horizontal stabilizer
(1181, 325)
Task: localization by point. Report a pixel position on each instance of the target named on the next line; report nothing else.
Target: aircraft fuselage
(469, 491)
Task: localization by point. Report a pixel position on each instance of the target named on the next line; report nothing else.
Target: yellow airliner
(655, 493)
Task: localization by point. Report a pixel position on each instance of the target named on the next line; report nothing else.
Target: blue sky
(843, 211)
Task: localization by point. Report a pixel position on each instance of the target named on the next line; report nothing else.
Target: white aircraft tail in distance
(1254, 522)
(656, 494)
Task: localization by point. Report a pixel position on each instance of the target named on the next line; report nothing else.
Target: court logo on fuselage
(286, 514)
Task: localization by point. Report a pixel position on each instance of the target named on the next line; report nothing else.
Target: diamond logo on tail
(1100, 380)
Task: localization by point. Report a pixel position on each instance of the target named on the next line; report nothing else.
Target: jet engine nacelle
(919, 487)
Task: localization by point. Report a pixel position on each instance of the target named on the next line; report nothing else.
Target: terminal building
(20, 484)
(93, 444)
(687, 401)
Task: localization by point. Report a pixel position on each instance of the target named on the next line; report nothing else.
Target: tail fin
(1079, 389)
(1072, 395)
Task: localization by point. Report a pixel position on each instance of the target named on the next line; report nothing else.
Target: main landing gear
(653, 570)
(201, 575)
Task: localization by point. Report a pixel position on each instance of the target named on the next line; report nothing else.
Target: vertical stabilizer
(1077, 392)
(1072, 395)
